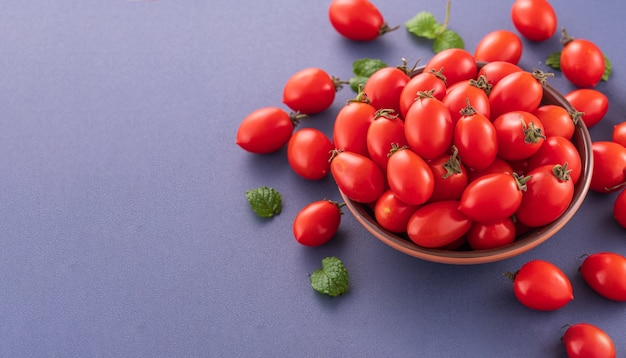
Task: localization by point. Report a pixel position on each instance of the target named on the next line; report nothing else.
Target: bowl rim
(526, 242)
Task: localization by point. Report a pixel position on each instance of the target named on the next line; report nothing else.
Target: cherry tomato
(433, 81)
(357, 176)
(450, 177)
(619, 208)
(307, 153)
(520, 135)
(609, 165)
(491, 198)
(619, 133)
(584, 340)
(592, 103)
(498, 165)
(540, 285)
(605, 273)
(558, 150)
(357, 20)
(499, 45)
(409, 176)
(385, 86)
(351, 125)
(519, 91)
(470, 91)
(428, 128)
(556, 120)
(549, 191)
(582, 62)
(535, 19)
(266, 130)
(387, 129)
(476, 140)
(392, 213)
(438, 224)
(317, 223)
(497, 70)
(310, 91)
(457, 65)
(491, 236)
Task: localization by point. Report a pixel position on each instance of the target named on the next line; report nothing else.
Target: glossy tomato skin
(605, 273)
(619, 133)
(499, 45)
(357, 20)
(385, 86)
(520, 135)
(491, 236)
(519, 91)
(438, 224)
(556, 121)
(265, 130)
(593, 103)
(497, 70)
(558, 150)
(582, 62)
(357, 176)
(409, 177)
(309, 91)
(619, 208)
(609, 163)
(450, 177)
(584, 340)
(422, 82)
(458, 65)
(428, 128)
(351, 125)
(392, 213)
(498, 165)
(308, 152)
(461, 93)
(381, 134)
(535, 19)
(491, 198)
(476, 140)
(542, 286)
(317, 223)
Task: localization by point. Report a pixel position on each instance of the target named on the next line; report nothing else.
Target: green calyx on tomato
(388, 113)
(361, 96)
(542, 77)
(439, 74)
(532, 133)
(453, 165)
(395, 147)
(521, 181)
(482, 83)
(561, 172)
(575, 115)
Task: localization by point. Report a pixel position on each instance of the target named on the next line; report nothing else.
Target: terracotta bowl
(581, 139)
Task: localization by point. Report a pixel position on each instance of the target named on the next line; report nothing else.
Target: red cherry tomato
(317, 223)
(605, 273)
(499, 45)
(498, 165)
(476, 140)
(438, 224)
(351, 125)
(519, 91)
(491, 198)
(409, 177)
(457, 64)
(385, 86)
(491, 236)
(619, 208)
(582, 62)
(556, 120)
(540, 285)
(558, 150)
(584, 340)
(308, 152)
(433, 81)
(266, 130)
(520, 135)
(310, 91)
(535, 19)
(609, 165)
(497, 70)
(619, 133)
(357, 176)
(392, 213)
(428, 128)
(357, 20)
(592, 103)
(387, 129)
(450, 177)
(471, 91)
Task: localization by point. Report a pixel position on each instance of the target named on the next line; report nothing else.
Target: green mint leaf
(447, 39)
(607, 69)
(424, 24)
(363, 69)
(357, 82)
(332, 278)
(554, 60)
(266, 202)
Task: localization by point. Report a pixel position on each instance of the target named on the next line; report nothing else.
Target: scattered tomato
(619, 208)
(499, 45)
(582, 62)
(540, 285)
(609, 166)
(592, 103)
(605, 273)
(266, 130)
(357, 20)
(307, 153)
(535, 19)
(310, 91)
(317, 223)
(584, 340)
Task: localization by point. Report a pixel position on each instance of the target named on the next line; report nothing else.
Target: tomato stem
(439, 74)
(532, 133)
(361, 97)
(565, 37)
(542, 77)
(482, 83)
(575, 115)
(338, 83)
(334, 153)
(386, 28)
(425, 94)
(388, 113)
(510, 275)
(561, 172)
(296, 117)
(468, 110)
(395, 147)
(521, 181)
(452, 165)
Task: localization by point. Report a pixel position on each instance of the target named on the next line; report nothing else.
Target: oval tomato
(457, 64)
(605, 273)
(310, 91)
(558, 150)
(476, 140)
(385, 86)
(450, 177)
(619, 208)
(535, 19)
(492, 197)
(438, 224)
(582, 62)
(472, 92)
(519, 91)
(409, 176)
(557, 121)
(619, 133)
(520, 135)
(428, 128)
(307, 153)
(592, 103)
(491, 236)
(498, 165)
(351, 125)
(497, 70)
(387, 129)
(357, 20)
(431, 81)
(540, 285)
(584, 340)
(357, 176)
(499, 45)
(266, 130)
(392, 213)
(317, 223)
(609, 166)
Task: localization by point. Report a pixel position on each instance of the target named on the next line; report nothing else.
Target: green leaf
(424, 24)
(357, 82)
(266, 202)
(554, 60)
(332, 278)
(607, 69)
(363, 69)
(447, 39)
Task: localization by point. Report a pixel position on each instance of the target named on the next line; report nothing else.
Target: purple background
(125, 228)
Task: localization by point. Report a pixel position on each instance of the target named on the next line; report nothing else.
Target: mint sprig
(265, 201)
(363, 69)
(425, 25)
(332, 278)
